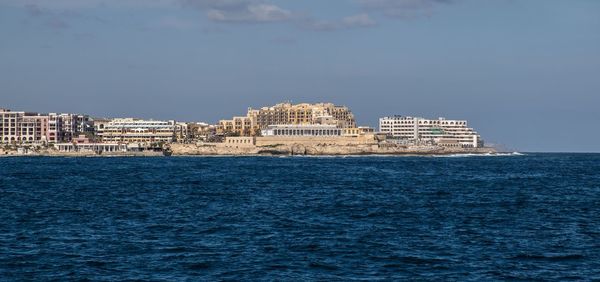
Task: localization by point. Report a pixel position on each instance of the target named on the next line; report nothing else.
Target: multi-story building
(288, 114)
(129, 130)
(243, 126)
(440, 131)
(99, 124)
(22, 127)
(66, 127)
(181, 132)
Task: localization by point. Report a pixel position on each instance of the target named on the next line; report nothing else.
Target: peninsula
(282, 129)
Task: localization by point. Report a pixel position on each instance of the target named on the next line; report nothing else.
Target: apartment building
(66, 127)
(130, 130)
(439, 131)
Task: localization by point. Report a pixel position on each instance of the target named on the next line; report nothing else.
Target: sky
(525, 74)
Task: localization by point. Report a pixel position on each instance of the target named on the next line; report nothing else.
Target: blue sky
(524, 73)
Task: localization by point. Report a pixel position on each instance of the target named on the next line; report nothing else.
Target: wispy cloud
(221, 11)
(404, 9)
(355, 21)
(240, 11)
(259, 13)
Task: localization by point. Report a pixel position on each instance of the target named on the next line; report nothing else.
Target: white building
(302, 130)
(452, 133)
(129, 130)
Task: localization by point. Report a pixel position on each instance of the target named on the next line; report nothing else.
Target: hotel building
(288, 114)
(450, 133)
(22, 127)
(129, 130)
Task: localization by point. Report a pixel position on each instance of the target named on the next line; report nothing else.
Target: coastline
(189, 150)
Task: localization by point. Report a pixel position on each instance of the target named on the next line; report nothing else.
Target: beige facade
(357, 131)
(22, 127)
(99, 125)
(288, 114)
(243, 126)
(239, 142)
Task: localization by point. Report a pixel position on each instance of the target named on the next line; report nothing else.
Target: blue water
(535, 216)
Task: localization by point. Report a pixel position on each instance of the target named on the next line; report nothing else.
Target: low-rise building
(357, 131)
(130, 130)
(302, 130)
(439, 131)
(239, 142)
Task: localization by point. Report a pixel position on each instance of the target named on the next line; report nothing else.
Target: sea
(528, 216)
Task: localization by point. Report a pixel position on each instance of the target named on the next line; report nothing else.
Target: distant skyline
(525, 74)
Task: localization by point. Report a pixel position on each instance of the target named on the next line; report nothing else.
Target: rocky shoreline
(273, 150)
(321, 150)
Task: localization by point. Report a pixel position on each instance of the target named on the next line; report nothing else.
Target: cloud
(216, 11)
(355, 21)
(240, 11)
(88, 4)
(255, 13)
(403, 9)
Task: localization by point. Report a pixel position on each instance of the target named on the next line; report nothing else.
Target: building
(288, 114)
(304, 113)
(357, 131)
(65, 127)
(99, 124)
(451, 133)
(91, 147)
(22, 127)
(242, 126)
(129, 130)
(239, 142)
(302, 130)
(200, 131)
(181, 132)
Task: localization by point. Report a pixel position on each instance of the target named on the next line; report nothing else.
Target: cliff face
(319, 149)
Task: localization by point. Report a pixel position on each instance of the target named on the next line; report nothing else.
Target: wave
(481, 155)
